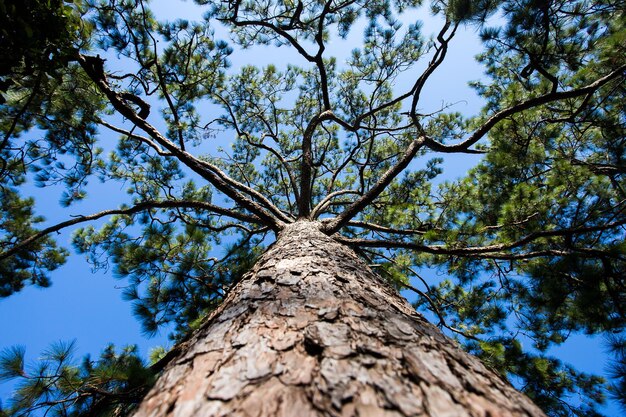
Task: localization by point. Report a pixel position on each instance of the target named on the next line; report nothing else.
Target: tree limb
(524, 105)
(146, 205)
(385, 179)
(321, 206)
(132, 135)
(304, 203)
(383, 229)
(93, 66)
(496, 251)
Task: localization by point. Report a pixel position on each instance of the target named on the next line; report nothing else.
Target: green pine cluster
(56, 385)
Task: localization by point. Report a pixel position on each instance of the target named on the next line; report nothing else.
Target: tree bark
(312, 331)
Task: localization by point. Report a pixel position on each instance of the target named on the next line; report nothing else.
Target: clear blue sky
(87, 307)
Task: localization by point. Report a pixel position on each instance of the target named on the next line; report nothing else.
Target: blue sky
(87, 306)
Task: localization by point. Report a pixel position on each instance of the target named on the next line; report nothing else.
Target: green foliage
(467, 11)
(617, 345)
(156, 354)
(549, 381)
(171, 271)
(550, 174)
(56, 384)
(63, 109)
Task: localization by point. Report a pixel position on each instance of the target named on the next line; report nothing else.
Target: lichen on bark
(311, 330)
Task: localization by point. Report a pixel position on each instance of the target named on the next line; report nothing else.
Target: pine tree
(326, 203)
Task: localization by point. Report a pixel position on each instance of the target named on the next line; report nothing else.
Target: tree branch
(260, 144)
(342, 219)
(93, 66)
(146, 205)
(496, 251)
(132, 135)
(524, 105)
(319, 60)
(163, 85)
(321, 206)
(279, 31)
(383, 229)
(437, 59)
(304, 203)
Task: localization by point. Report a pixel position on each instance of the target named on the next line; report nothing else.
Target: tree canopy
(531, 240)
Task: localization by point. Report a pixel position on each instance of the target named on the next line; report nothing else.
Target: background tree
(532, 239)
(35, 38)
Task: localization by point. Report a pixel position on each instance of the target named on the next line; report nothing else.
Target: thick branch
(496, 251)
(304, 203)
(355, 208)
(146, 205)
(94, 68)
(525, 105)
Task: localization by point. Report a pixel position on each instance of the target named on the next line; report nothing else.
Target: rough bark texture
(312, 331)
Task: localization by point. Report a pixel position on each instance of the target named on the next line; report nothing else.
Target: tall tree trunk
(312, 331)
